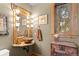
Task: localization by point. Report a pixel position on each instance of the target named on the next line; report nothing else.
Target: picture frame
(43, 19)
(3, 25)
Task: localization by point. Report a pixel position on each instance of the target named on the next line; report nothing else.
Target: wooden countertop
(23, 45)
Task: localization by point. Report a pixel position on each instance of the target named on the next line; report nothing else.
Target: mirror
(22, 27)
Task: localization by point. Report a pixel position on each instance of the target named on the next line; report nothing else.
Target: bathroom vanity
(22, 28)
(64, 49)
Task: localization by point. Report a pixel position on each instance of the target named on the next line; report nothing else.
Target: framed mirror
(22, 29)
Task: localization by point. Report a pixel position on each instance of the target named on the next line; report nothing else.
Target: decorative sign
(43, 19)
(3, 25)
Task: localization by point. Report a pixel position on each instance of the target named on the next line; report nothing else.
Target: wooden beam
(52, 18)
(14, 27)
(74, 18)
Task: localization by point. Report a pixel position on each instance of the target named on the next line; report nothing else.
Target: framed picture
(43, 19)
(3, 25)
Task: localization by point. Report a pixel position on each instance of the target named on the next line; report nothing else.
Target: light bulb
(17, 11)
(17, 24)
(28, 21)
(17, 18)
(28, 26)
(31, 25)
(28, 17)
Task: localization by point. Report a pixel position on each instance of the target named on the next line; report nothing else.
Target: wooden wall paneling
(52, 7)
(74, 18)
(52, 18)
(14, 27)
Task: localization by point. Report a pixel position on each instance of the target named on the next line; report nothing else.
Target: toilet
(4, 52)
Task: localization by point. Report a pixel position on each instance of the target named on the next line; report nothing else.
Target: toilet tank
(4, 52)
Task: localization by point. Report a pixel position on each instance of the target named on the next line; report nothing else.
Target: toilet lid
(4, 51)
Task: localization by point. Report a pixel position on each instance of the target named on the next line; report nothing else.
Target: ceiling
(57, 4)
(33, 4)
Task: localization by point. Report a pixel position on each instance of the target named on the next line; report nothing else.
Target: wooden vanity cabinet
(64, 49)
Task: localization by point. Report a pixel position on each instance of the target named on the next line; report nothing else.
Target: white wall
(6, 40)
(43, 46)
